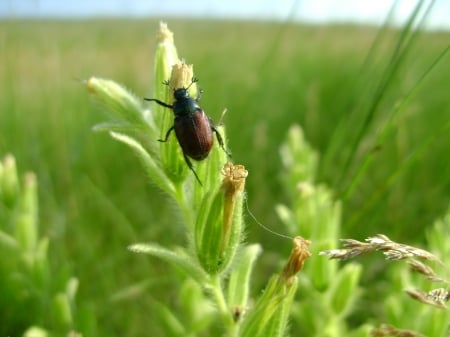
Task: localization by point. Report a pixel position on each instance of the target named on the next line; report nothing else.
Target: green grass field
(385, 156)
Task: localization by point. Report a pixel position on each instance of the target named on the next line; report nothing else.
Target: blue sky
(319, 11)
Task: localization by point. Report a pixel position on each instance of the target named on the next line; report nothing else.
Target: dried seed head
(398, 251)
(233, 178)
(391, 331)
(296, 260)
(352, 248)
(233, 186)
(439, 295)
(392, 250)
(436, 297)
(421, 268)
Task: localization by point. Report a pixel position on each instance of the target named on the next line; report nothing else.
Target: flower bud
(296, 260)
(219, 224)
(9, 181)
(271, 312)
(124, 105)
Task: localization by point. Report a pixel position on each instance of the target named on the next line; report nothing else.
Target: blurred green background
(94, 196)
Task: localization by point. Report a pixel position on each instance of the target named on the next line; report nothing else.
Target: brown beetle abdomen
(194, 134)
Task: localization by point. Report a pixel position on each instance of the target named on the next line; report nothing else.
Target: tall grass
(94, 196)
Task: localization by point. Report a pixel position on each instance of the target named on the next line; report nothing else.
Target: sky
(310, 11)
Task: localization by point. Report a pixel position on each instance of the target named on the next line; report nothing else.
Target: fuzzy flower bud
(9, 181)
(271, 312)
(219, 226)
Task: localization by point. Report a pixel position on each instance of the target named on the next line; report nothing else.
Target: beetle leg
(220, 140)
(159, 102)
(191, 167)
(167, 135)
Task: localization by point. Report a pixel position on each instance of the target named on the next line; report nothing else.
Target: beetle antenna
(193, 80)
(263, 226)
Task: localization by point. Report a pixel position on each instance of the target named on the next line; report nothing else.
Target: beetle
(193, 128)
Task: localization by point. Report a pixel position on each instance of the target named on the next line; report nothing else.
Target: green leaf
(197, 308)
(120, 102)
(239, 281)
(8, 242)
(278, 324)
(177, 258)
(62, 312)
(256, 319)
(208, 232)
(344, 291)
(151, 167)
(169, 322)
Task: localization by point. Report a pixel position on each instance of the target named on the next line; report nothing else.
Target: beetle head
(180, 94)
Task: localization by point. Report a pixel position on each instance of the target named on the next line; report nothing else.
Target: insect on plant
(193, 128)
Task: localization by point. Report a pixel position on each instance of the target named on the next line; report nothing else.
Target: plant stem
(180, 197)
(217, 294)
